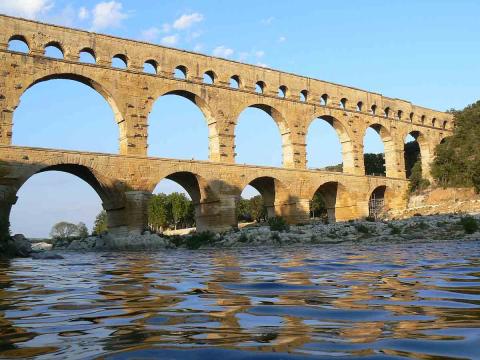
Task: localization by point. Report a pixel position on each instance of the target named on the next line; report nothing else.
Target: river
(415, 300)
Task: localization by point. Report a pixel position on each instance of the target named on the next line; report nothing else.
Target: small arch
(150, 67)
(373, 109)
(413, 144)
(259, 87)
(209, 77)
(444, 124)
(434, 122)
(359, 106)
(87, 55)
(282, 91)
(303, 95)
(422, 119)
(180, 72)
(343, 103)
(235, 82)
(120, 61)
(412, 115)
(324, 99)
(399, 114)
(53, 49)
(386, 112)
(18, 43)
(377, 203)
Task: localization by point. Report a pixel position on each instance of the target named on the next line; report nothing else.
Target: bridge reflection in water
(411, 300)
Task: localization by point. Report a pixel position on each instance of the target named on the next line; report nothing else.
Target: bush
(395, 230)
(370, 218)
(470, 225)
(278, 223)
(194, 241)
(243, 238)
(362, 229)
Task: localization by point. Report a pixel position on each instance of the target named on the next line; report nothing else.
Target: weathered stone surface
(22, 245)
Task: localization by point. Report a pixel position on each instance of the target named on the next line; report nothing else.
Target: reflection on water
(417, 300)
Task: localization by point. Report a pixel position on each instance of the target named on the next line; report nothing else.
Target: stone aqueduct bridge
(125, 181)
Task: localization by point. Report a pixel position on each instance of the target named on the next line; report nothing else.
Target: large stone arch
(210, 207)
(110, 191)
(391, 153)
(426, 154)
(288, 155)
(274, 192)
(212, 118)
(88, 81)
(344, 135)
(338, 200)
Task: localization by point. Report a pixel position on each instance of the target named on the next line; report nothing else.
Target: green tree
(179, 208)
(317, 206)
(457, 158)
(258, 211)
(82, 230)
(63, 230)
(244, 210)
(100, 226)
(417, 182)
(158, 212)
(374, 164)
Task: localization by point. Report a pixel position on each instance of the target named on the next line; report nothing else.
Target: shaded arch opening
(422, 119)
(386, 112)
(18, 43)
(258, 139)
(282, 91)
(34, 214)
(359, 106)
(180, 72)
(373, 109)
(412, 115)
(180, 127)
(326, 200)
(259, 87)
(272, 194)
(445, 125)
(399, 114)
(54, 50)
(413, 144)
(235, 82)
(150, 67)
(374, 150)
(377, 203)
(209, 77)
(87, 55)
(58, 111)
(329, 146)
(250, 207)
(343, 103)
(434, 122)
(120, 61)
(303, 95)
(324, 100)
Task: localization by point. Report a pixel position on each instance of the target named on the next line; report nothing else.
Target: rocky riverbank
(438, 227)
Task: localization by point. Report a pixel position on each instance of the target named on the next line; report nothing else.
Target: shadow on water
(372, 302)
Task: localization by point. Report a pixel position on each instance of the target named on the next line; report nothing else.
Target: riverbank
(437, 227)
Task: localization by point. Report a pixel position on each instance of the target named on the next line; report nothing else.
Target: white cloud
(185, 21)
(267, 21)
(150, 34)
(282, 39)
(31, 9)
(259, 53)
(222, 51)
(107, 14)
(169, 40)
(83, 13)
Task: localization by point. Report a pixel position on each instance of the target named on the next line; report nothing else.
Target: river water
(416, 300)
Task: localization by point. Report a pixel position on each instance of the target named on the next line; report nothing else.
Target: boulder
(22, 245)
(41, 246)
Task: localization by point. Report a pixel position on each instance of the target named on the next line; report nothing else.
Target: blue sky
(423, 51)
